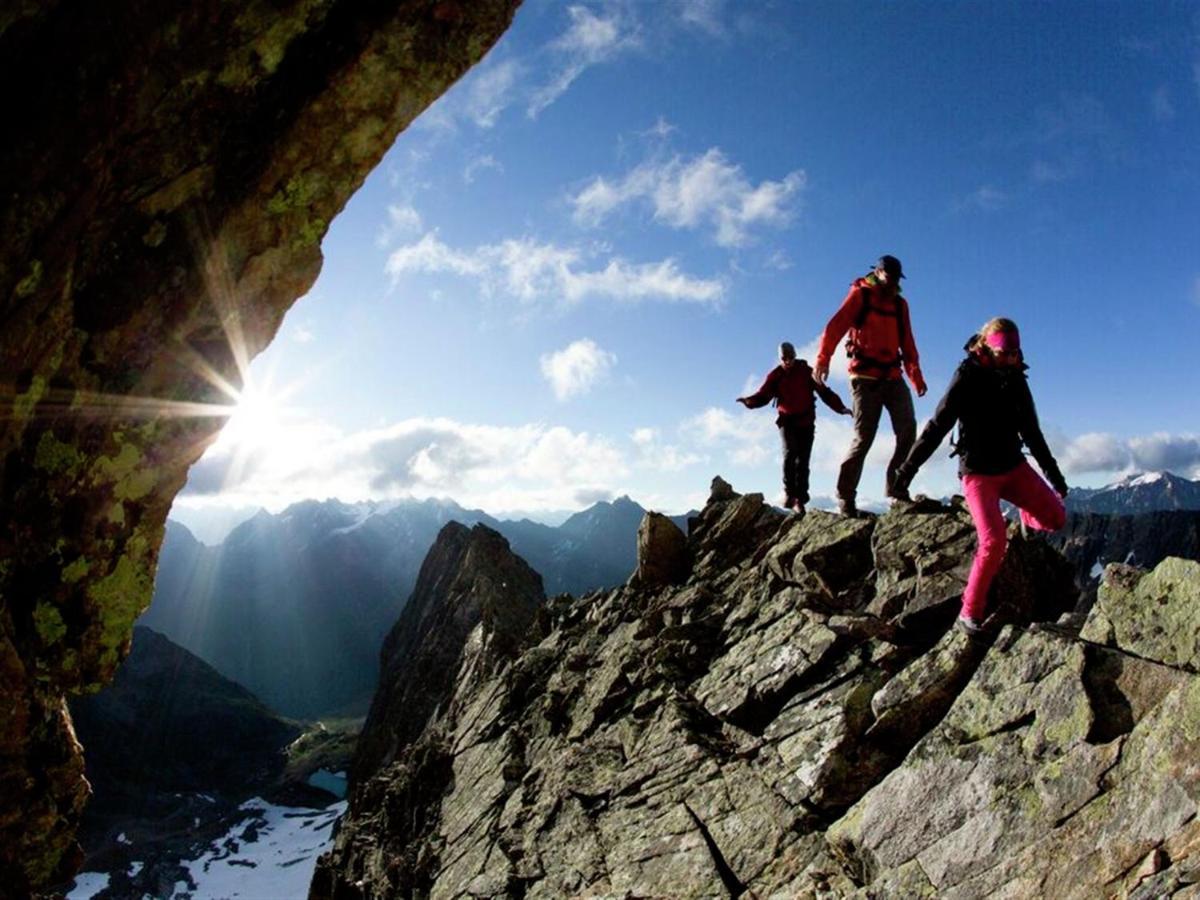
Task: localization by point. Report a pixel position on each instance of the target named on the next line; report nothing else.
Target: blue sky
(557, 281)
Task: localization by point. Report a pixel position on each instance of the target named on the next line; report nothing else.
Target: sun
(257, 421)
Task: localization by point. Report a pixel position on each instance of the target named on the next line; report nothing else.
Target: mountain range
(1142, 493)
(295, 606)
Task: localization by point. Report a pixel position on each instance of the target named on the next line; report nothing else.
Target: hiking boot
(796, 508)
(899, 494)
(970, 627)
(848, 509)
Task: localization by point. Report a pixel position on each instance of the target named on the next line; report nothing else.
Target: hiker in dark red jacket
(791, 385)
(989, 398)
(880, 344)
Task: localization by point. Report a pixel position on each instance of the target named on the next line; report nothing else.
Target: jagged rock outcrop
(166, 176)
(795, 720)
(662, 553)
(472, 610)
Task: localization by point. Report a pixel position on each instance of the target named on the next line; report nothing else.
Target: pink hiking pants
(1040, 508)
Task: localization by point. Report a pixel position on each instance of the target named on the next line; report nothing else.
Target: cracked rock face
(760, 728)
(166, 177)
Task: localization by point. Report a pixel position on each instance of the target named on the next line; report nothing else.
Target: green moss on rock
(24, 403)
(56, 457)
(49, 623)
(120, 598)
(76, 570)
(27, 285)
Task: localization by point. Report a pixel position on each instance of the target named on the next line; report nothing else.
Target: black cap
(891, 265)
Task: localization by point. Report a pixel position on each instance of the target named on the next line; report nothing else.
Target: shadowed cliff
(167, 174)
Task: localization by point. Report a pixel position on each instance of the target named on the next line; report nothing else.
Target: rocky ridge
(795, 719)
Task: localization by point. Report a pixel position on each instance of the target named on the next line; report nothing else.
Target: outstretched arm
(831, 399)
(764, 394)
(933, 433)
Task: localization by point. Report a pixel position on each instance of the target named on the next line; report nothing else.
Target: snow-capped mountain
(1147, 492)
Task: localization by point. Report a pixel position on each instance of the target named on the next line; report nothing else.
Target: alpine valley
(295, 606)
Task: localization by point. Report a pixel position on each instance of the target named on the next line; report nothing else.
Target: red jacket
(885, 340)
(792, 389)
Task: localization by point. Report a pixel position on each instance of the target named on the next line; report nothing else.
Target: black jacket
(995, 414)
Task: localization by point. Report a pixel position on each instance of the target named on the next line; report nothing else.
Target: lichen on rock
(167, 181)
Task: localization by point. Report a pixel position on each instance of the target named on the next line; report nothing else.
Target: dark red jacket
(793, 390)
(885, 340)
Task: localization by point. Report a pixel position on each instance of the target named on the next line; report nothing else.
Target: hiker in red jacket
(880, 345)
(989, 399)
(791, 385)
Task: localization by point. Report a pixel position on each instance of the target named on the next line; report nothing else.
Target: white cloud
(591, 39)
(986, 198)
(303, 335)
(706, 191)
(655, 455)
(1099, 452)
(748, 438)
(534, 272)
(527, 467)
(573, 370)
(1052, 173)
(1161, 105)
(779, 261)
(480, 164)
(644, 437)
(704, 15)
(490, 91)
(661, 130)
(431, 255)
(402, 219)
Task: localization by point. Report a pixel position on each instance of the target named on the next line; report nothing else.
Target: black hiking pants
(797, 436)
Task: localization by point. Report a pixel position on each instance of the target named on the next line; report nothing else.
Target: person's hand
(743, 401)
(919, 383)
(821, 371)
(846, 412)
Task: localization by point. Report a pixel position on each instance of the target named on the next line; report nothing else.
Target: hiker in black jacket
(989, 398)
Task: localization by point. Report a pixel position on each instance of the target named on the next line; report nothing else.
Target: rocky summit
(795, 717)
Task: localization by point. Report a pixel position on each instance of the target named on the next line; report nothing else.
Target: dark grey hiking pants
(871, 397)
(797, 437)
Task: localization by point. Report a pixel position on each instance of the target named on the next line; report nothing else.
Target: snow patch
(87, 885)
(1147, 478)
(270, 853)
(1097, 569)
